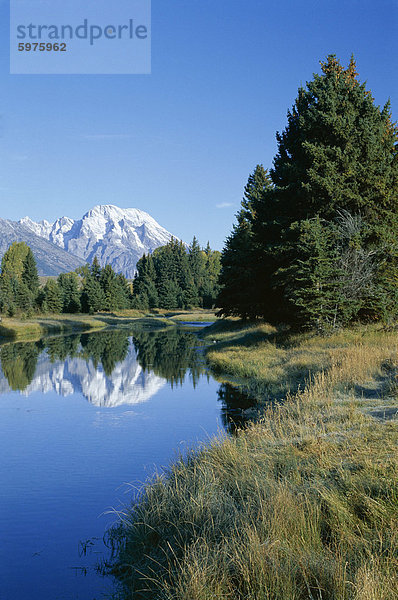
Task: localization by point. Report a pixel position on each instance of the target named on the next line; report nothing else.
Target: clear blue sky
(180, 143)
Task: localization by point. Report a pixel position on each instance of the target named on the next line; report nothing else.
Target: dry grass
(300, 506)
(193, 316)
(37, 327)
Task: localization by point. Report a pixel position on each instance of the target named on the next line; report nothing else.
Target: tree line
(173, 277)
(315, 241)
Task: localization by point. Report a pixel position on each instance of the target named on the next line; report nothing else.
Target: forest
(174, 276)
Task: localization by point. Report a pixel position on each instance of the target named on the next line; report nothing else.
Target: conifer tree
(197, 267)
(123, 292)
(239, 284)
(12, 262)
(210, 289)
(144, 286)
(52, 297)
(69, 286)
(95, 269)
(8, 286)
(92, 298)
(19, 283)
(166, 279)
(29, 275)
(107, 281)
(338, 153)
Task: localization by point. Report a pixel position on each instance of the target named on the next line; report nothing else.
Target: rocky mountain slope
(50, 258)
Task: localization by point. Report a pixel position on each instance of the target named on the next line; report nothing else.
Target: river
(85, 419)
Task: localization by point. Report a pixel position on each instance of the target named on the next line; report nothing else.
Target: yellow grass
(302, 505)
(37, 327)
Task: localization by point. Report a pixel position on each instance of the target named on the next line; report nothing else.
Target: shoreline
(301, 503)
(14, 329)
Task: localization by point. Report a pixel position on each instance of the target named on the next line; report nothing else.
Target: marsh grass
(301, 505)
(41, 325)
(194, 315)
(36, 327)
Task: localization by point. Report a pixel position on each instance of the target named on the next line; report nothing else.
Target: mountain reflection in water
(113, 368)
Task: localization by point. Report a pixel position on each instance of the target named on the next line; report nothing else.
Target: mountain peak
(116, 236)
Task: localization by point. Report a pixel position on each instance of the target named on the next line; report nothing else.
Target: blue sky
(181, 142)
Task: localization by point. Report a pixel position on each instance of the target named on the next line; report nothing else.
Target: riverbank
(304, 503)
(37, 327)
(51, 324)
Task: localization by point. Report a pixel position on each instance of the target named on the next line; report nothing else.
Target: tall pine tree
(337, 153)
(239, 293)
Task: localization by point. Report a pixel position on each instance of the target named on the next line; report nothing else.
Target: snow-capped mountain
(117, 236)
(50, 258)
(128, 383)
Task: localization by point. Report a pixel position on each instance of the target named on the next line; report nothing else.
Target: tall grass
(302, 505)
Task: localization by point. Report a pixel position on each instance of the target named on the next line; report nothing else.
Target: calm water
(83, 418)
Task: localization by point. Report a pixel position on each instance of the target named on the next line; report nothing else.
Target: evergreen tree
(169, 295)
(123, 292)
(19, 281)
(95, 269)
(108, 284)
(210, 288)
(92, 299)
(8, 286)
(144, 286)
(18, 363)
(166, 275)
(69, 286)
(312, 280)
(52, 300)
(239, 278)
(338, 153)
(12, 262)
(29, 273)
(169, 278)
(24, 298)
(197, 267)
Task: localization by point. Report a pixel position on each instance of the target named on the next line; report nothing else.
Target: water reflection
(113, 368)
(237, 409)
(170, 354)
(63, 458)
(109, 368)
(18, 362)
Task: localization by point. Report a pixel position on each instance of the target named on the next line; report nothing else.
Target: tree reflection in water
(172, 355)
(18, 362)
(237, 407)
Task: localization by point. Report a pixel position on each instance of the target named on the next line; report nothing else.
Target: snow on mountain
(50, 258)
(128, 384)
(117, 236)
(42, 228)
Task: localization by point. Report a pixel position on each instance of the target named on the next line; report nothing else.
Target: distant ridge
(51, 260)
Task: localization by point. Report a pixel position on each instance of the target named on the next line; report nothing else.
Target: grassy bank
(302, 505)
(39, 326)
